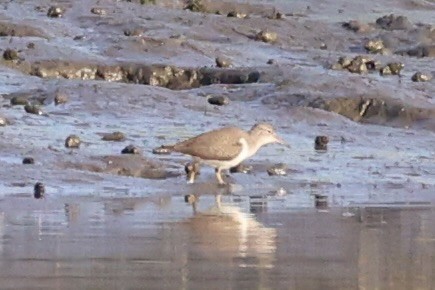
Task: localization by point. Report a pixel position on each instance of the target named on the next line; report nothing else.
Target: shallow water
(162, 242)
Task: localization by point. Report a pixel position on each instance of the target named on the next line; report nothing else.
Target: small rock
(10, 54)
(195, 6)
(72, 141)
(98, 11)
(115, 136)
(28, 160)
(19, 100)
(392, 22)
(277, 169)
(241, 168)
(223, 62)
(392, 69)
(357, 66)
(60, 99)
(272, 61)
(55, 12)
(336, 66)
(323, 46)
(357, 26)
(374, 46)
(219, 100)
(396, 67)
(30, 45)
(420, 77)
(276, 15)
(344, 61)
(321, 143)
(373, 65)
(3, 121)
(162, 150)
(190, 198)
(266, 36)
(39, 190)
(32, 109)
(134, 32)
(236, 14)
(320, 201)
(130, 149)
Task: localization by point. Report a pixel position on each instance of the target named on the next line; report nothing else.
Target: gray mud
(357, 216)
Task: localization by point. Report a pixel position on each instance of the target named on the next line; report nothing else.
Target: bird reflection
(226, 229)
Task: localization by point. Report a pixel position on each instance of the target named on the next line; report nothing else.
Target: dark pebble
(72, 141)
(55, 12)
(130, 149)
(60, 99)
(115, 136)
(98, 11)
(19, 100)
(241, 168)
(10, 54)
(39, 190)
(321, 143)
(28, 160)
(277, 169)
(162, 150)
(33, 109)
(420, 77)
(219, 100)
(320, 201)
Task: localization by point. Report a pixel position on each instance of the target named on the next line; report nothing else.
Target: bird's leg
(219, 176)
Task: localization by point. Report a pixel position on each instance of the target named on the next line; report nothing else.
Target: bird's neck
(254, 144)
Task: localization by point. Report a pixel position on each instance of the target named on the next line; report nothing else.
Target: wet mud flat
(355, 215)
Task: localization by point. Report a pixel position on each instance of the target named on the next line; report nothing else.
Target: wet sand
(356, 216)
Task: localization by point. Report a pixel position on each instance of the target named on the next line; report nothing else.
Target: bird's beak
(279, 140)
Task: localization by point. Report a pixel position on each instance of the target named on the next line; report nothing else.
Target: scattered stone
(60, 99)
(55, 12)
(19, 100)
(3, 121)
(30, 45)
(266, 36)
(28, 160)
(219, 100)
(98, 11)
(320, 201)
(276, 15)
(72, 141)
(393, 68)
(39, 190)
(195, 6)
(236, 14)
(33, 109)
(373, 65)
(223, 62)
(10, 54)
(241, 168)
(115, 136)
(134, 32)
(357, 26)
(420, 77)
(392, 22)
(321, 143)
(277, 169)
(162, 150)
(419, 51)
(279, 192)
(344, 61)
(358, 65)
(130, 149)
(272, 61)
(375, 46)
(323, 46)
(192, 169)
(190, 198)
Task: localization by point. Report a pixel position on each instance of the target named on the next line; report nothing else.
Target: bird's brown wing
(220, 144)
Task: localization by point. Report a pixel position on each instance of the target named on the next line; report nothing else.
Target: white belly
(226, 164)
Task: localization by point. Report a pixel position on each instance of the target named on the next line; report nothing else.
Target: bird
(226, 147)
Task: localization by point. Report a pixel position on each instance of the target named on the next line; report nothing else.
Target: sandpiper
(226, 147)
